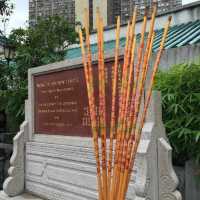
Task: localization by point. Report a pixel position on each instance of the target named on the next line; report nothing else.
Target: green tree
(44, 43)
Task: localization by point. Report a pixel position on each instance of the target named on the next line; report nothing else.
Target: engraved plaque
(61, 102)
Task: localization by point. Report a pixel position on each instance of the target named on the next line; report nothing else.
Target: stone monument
(53, 153)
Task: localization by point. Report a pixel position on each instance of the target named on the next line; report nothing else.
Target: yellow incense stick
(102, 107)
(93, 115)
(129, 78)
(119, 123)
(113, 109)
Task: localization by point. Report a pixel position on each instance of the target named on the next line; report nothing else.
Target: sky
(20, 15)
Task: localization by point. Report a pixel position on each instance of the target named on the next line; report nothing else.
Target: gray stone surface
(14, 184)
(175, 56)
(168, 180)
(180, 172)
(24, 196)
(192, 180)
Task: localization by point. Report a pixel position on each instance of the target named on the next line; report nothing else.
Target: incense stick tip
(155, 3)
(135, 9)
(85, 10)
(170, 18)
(118, 20)
(118, 17)
(146, 11)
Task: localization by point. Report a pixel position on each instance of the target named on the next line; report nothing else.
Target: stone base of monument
(62, 167)
(25, 196)
(67, 171)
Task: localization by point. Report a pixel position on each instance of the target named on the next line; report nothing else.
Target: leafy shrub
(180, 87)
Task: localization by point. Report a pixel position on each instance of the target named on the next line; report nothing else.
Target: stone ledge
(24, 196)
(27, 196)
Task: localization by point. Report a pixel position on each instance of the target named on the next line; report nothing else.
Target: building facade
(127, 6)
(107, 8)
(116, 10)
(46, 8)
(73, 10)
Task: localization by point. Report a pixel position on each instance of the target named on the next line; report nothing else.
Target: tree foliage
(180, 87)
(5, 7)
(44, 43)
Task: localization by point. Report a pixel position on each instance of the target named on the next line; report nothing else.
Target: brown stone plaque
(61, 102)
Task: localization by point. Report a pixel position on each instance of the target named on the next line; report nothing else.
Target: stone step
(24, 196)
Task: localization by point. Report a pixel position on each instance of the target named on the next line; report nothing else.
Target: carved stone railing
(154, 177)
(168, 181)
(14, 184)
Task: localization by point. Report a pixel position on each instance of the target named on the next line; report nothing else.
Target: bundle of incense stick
(128, 107)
